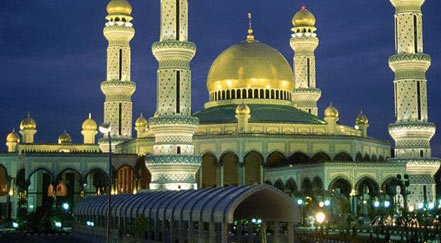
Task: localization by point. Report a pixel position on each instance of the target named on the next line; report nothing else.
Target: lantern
(61, 190)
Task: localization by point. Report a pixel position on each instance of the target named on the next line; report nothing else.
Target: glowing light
(303, 7)
(321, 204)
(327, 203)
(376, 204)
(320, 217)
(66, 206)
(411, 208)
(300, 202)
(431, 205)
(58, 224)
(420, 205)
(386, 204)
(14, 225)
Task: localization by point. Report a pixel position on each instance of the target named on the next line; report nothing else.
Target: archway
(279, 185)
(317, 184)
(299, 158)
(340, 186)
(291, 187)
(143, 174)
(367, 158)
(3, 181)
(320, 157)
(125, 179)
(230, 162)
(209, 171)
(367, 189)
(96, 182)
(307, 187)
(389, 186)
(276, 159)
(343, 157)
(40, 199)
(68, 187)
(253, 168)
(359, 157)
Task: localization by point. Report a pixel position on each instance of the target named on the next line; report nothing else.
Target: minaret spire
(118, 87)
(173, 164)
(250, 36)
(304, 41)
(412, 131)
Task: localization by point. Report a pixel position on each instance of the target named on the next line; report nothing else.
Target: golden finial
(250, 37)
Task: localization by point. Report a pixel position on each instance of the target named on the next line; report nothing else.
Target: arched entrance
(143, 174)
(317, 185)
(307, 187)
(96, 181)
(67, 187)
(279, 185)
(291, 187)
(40, 199)
(367, 189)
(3, 181)
(125, 180)
(230, 163)
(340, 186)
(253, 168)
(209, 171)
(276, 159)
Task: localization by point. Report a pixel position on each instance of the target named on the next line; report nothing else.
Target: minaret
(411, 131)
(173, 164)
(304, 41)
(118, 88)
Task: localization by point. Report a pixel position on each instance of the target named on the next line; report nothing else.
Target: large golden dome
(303, 18)
(117, 7)
(13, 137)
(28, 123)
(250, 64)
(89, 124)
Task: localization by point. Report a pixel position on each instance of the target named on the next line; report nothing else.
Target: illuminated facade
(260, 125)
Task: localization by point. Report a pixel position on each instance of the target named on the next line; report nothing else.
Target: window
(419, 99)
(308, 72)
(178, 18)
(415, 33)
(178, 150)
(178, 92)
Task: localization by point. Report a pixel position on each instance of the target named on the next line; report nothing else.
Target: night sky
(53, 57)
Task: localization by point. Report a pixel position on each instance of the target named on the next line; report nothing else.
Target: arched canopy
(320, 157)
(40, 169)
(299, 158)
(317, 184)
(343, 157)
(340, 185)
(367, 185)
(276, 159)
(217, 205)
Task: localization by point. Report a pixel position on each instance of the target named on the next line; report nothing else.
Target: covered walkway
(210, 215)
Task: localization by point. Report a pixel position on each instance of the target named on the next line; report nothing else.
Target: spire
(90, 115)
(250, 36)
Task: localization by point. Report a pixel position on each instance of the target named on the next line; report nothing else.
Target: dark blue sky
(53, 56)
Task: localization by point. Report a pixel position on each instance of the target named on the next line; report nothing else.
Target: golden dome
(303, 18)
(64, 138)
(243, 109)
(28, 123)
(361, 119)
(89, 124)
(116, 7)
(141, 122)
(250, 64)
(13, 137)
(331, 111)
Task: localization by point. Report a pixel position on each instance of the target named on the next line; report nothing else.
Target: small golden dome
(250, 65)
(122, 7)
(13, 137)
(141, 122)
(361, 119)
(243, 109)
(331, 111)
(28, 123)
(89, 124)
(303, 18)
(64, 138)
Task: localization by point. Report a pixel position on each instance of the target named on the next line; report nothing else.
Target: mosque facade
(260, 125)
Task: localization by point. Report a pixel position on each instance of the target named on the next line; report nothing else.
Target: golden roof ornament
(250, 36)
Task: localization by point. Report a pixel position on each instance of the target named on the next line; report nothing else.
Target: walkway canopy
(212, 205)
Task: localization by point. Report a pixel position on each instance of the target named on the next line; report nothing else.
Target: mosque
(261, 125)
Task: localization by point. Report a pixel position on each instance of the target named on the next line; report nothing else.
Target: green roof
(260, 113)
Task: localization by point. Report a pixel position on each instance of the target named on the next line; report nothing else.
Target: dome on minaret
(303, 18)
(361, 119)
(28, 123)
(243, 109)
(331, 111)
(13, 137)
(64, 138)
(141, 121)
(116, 7)
(89, 124)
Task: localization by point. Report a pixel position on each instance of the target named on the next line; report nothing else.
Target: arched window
(238, 94)
(267, 96)
(250, 94)
(256, 94)
(117, 19)
(277, 94)
(228, 95)
(244, 94)
(223, 94)
(233, 94)
(262, 94)
(272, 94)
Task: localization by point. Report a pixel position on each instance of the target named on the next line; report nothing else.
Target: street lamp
(105, 129)
(300, 202)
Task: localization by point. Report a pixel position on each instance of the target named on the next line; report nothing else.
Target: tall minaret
(304, 41)
(411, 131)
(173, 164)
(118, 88)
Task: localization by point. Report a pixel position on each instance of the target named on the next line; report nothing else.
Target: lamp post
(301, 203)
(105, 129)
(404, 184)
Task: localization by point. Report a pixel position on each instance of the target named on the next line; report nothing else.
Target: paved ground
(26, 238)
